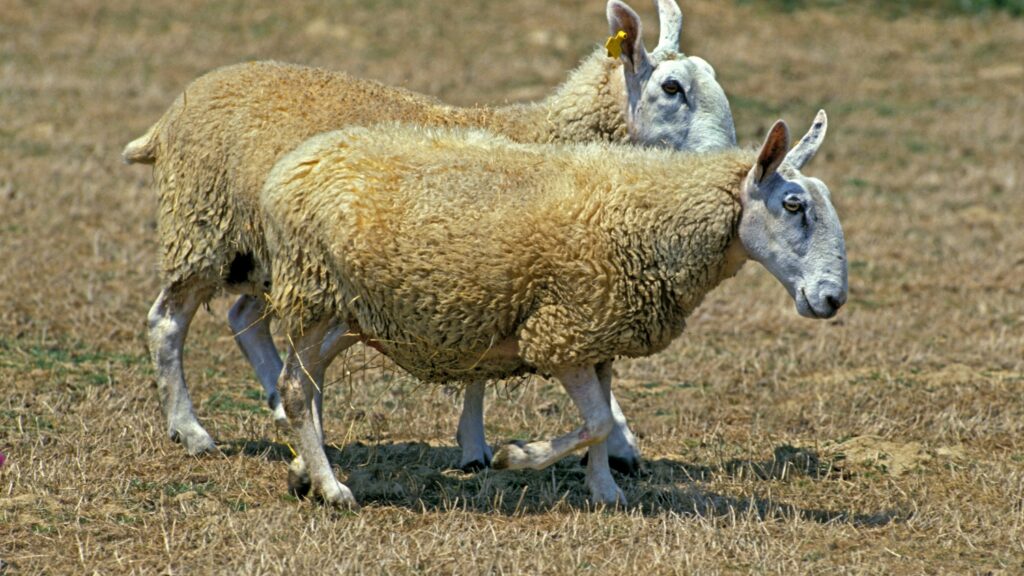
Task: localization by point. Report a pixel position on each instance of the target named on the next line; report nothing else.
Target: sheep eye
(671, 87)
(792, 205)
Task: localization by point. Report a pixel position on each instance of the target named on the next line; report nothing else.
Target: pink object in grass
(2, 459)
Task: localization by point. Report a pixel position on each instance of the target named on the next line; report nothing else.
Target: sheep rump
(440, 246)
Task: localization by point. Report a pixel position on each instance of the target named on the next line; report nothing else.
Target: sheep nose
(833, 302)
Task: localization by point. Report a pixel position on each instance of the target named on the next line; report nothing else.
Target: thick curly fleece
(439, 245)
(213, 147)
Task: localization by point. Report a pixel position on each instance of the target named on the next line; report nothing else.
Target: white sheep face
(673, 100)
(790, 226)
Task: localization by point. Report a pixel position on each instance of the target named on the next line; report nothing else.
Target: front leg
(593, 402)
(476, 454)
(300, 395)
(623, 453)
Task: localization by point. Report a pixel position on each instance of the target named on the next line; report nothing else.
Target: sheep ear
(622, 18)
(671, 19)
(772, 153)
(802, 153)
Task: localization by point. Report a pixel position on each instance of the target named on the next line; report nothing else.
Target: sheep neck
(590, 106)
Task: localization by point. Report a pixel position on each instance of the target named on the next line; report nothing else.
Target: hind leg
(250, 323)
(168, 321)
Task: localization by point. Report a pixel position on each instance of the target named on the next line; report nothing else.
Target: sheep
(463, 255)
(213, 147)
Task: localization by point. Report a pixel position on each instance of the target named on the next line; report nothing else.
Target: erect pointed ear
(622, 18)
(670, 17)
(772, 153)
(805, 149)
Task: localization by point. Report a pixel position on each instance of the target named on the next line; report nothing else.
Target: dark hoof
(299, 483)
(474, 466)
(624, 466)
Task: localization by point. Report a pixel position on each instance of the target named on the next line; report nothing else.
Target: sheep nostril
(834, 302)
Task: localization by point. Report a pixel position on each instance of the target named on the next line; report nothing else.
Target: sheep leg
(593, 402)
(168, 322)
(302, 368)
(603, 489)
(250, 322)
(338, 338)
(476, 454)
(623, 454)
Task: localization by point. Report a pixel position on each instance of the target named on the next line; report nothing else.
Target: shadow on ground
(423, 477)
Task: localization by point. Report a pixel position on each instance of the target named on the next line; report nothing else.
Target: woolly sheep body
(213, 147)
(438, 246)
(461, 255)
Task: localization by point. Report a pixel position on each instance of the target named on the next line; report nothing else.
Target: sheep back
(215, 144)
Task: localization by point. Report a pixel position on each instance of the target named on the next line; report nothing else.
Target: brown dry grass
(746, 421)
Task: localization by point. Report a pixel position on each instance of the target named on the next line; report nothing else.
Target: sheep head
(674, 101)
(790, 226)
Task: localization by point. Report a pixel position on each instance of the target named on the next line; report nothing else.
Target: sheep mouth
(830, 311)
(810, 308)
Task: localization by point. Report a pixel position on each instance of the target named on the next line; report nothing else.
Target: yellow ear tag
(614, 44)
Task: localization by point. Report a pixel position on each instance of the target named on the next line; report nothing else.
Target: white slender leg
(599, 474)
(593, 403)
(337, 340)
(250, 323)
(476, 454)
(168, 322)
(303, 367)
(623, 453)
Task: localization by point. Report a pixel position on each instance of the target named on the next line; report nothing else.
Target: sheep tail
(142, 150)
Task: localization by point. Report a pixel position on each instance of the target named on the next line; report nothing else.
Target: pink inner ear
(627, 21)
(773, 152)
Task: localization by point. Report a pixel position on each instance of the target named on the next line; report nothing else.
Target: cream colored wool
(213, 147)
(439, 245)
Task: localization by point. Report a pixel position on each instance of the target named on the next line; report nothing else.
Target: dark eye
(672, 87)
(793, 204)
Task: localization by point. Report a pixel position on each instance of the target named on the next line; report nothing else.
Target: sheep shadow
(422, 477)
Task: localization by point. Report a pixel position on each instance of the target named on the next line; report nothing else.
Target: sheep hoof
(280, 419)
(474, 466)
(502, 460)
(337, 495)
(510, 454)
(625, 466)
(196, 440)
(282, 425)
(299, 482)
(610, 497)
(476, 460)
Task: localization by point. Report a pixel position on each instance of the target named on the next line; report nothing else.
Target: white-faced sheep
(463, 255)
(213, 147)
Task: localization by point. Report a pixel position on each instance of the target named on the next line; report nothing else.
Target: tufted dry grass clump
(888, 440)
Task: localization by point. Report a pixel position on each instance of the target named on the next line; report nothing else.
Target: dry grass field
(887, 440)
